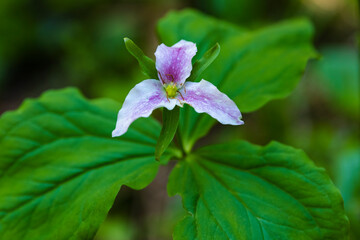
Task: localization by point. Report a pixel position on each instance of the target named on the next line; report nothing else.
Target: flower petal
(174, 63)
(140, 102)
(205, 97)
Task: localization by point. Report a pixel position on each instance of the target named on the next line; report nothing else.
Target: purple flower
(174, 67)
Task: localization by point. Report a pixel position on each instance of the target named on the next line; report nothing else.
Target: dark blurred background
(57, 43)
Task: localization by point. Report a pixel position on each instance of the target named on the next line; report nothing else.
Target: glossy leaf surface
(60, 170)
(242, 191)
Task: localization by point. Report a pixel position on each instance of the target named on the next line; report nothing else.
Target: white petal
(140, 102)
(174, 63)
(203, 96)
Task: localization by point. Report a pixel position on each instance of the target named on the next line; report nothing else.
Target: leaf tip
(126, 40)
(216, 49)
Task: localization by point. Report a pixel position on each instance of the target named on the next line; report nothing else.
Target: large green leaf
(242, 191)
(193, 26)
(60, 170)
(252, 68)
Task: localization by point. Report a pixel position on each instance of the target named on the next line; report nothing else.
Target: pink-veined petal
(140, 102)
(203, 96)
(174, 63)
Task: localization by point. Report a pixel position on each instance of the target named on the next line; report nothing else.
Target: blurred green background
(56, 43)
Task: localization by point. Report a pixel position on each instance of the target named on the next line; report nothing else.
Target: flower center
(171, 90)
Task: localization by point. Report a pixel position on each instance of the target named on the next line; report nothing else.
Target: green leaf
(194, 26)
(147, 65)
(60, 170)
(253, 67)
(170, 124)
(201, 64)
(243, 191)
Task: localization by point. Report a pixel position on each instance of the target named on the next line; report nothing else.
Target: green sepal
(170, 124)
(147, 65)
(201, 64)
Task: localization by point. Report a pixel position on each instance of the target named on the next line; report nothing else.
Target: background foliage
(52, 44)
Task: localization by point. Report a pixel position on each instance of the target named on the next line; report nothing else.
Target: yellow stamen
(171, 90)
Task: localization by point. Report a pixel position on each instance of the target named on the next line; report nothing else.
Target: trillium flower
(174, 66)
